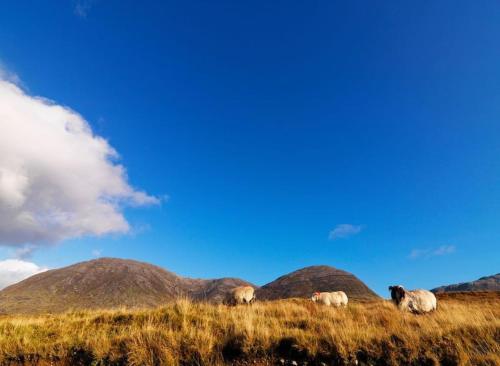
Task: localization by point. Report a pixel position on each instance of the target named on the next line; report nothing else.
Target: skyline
(238, 140)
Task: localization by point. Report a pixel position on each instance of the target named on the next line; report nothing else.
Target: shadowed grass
(460, 332)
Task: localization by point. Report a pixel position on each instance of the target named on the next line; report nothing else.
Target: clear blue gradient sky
(268, 124)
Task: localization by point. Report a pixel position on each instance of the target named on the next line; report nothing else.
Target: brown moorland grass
(372, 333)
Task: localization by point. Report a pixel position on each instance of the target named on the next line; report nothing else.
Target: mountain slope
(489, 283)
(305, 281)
(213, 290)
(110, 282)
(106, 283)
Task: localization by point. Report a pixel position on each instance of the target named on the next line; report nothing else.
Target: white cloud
(82, 7)
(96, 253)
(15, 270)
(444, 249)
(427, 253)
(24, 252)
(416, 253)
(5, 74)
(57, 179)
(344, 230)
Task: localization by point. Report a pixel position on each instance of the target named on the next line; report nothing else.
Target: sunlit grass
(195, 333)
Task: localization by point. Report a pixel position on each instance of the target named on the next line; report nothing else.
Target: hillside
(211, 290)
(305, 281)
(490, 283)
(110, 283)
(470, 296)
(107, 283)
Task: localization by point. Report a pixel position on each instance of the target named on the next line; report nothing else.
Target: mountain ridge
(107, 283)
(114, 282)
(485, 283)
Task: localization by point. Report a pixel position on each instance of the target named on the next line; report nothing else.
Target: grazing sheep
(416, 301)
(240, 295)
(336, 298)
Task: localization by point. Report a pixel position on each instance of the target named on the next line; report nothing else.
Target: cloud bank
(57, 179)
(15, 270)
(344, 231)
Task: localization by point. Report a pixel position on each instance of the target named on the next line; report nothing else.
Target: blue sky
(268, 125)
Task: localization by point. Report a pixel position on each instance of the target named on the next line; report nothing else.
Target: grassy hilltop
(464, 331)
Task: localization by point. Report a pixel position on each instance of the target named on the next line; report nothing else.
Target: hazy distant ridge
(489, 283)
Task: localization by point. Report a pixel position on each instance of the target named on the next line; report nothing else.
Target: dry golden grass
(458, 333)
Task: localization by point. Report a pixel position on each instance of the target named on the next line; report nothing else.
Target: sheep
(336, 298)
(416, 301)
(241, 295)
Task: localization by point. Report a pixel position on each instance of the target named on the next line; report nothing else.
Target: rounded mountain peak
(303, 282)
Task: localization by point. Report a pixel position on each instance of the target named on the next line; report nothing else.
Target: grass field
(465, 330)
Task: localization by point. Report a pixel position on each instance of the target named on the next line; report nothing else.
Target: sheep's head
(397, 293)
(229, 299)
(315, 296)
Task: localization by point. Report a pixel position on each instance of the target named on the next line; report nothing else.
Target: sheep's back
(423, 300)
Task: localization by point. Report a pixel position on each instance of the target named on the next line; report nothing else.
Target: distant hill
(470, 296)
(303, 282)
(111, 282)
(490, 283)
(107, 283)
(212, 290)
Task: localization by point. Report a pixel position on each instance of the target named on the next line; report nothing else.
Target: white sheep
(241, 295)
(336, 298)
(416, 301)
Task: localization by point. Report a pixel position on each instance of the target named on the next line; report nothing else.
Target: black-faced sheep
(416, 301)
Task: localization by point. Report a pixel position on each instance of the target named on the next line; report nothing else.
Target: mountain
(490, 283)
(111, 282)
(106, 283)
(212, 290)
(305, 281)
